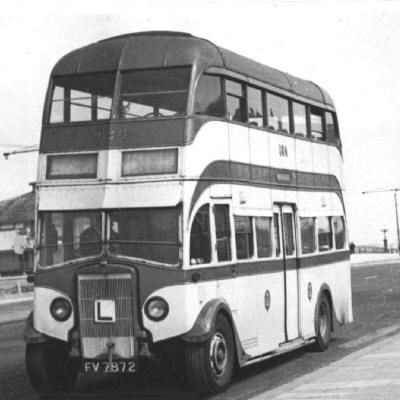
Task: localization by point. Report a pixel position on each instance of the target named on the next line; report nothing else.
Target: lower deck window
(325, 241)
(222, 232)
(288, 233)
(200, 241)
(339, 231)
(307, 233)
(69, 235)
(277, 236)
(264, 236)
(244, 237)
(147, 233)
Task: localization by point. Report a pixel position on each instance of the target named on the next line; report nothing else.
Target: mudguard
(335, 323)
(30, 334)
(202, 329)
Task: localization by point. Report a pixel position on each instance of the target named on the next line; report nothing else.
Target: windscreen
(69, 235)
(148, 233)
(154, 93)
(86, 97)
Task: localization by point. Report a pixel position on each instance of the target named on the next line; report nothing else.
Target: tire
(48, 367)
(323, 324)
(210, 364)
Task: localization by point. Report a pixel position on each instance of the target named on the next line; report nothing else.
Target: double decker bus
(189, 209)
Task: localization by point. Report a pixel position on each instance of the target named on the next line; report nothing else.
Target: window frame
(252, 249)
(243, 103)
(271, 239)
(331, 234)
(315, 238)
(231, 241)
(262, 104)
(288, 100)
(118, 88)
(320, 113)
(341, 217)
(194, 95)
(67, 100)
(211, 235)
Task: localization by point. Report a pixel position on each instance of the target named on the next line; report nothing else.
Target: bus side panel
(241, 295)
(270, 314)
(337, 277)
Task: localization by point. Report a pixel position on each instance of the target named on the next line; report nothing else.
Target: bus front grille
(113, 332)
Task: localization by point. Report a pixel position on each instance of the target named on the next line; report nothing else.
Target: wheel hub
(218, 354)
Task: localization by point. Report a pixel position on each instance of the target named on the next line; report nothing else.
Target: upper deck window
(79, 98)
(154, 93)
(255, 108)
(209, 99)
(235, 101)
(332, 132)
(278, 113)
(317, 123)
(299, 119)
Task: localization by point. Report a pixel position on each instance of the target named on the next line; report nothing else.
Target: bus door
(285, 239)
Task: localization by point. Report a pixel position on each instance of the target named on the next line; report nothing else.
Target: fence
(15, 288)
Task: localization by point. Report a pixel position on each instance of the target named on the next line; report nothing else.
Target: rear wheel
(323, 324)
(210, 364)
(49, 368)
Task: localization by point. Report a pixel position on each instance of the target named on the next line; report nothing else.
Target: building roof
(157, 49)
(17, 209)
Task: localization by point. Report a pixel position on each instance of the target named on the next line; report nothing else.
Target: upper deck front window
(154, 93)
(78, 98)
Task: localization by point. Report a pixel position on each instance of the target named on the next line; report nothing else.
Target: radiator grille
(96, 336)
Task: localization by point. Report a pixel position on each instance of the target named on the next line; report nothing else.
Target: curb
(373, 262)
(321, 372)
(13, 301)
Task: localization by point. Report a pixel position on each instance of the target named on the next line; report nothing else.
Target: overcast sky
(351, 48)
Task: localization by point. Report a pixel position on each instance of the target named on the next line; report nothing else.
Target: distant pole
(385, 241)
(394, 190)
(397, 222)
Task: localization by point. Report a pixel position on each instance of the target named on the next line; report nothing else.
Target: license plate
(105, 367)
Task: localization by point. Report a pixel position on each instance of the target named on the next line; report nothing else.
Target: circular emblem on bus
(309, 291)
(267, 299)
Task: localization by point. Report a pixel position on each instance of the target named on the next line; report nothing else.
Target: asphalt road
(376, 304)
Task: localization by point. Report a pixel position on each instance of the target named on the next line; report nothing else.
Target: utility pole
(394, 190)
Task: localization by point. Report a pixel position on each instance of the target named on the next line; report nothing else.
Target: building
(17, 234)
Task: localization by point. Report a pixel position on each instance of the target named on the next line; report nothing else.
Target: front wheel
(210, 364)
(323, 324)
(48, 367)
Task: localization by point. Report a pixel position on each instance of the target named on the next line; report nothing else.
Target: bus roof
(155, 49)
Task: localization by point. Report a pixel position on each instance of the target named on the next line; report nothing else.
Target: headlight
(156, 308)
(60, 309)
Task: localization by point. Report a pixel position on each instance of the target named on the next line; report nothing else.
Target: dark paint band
(268, 177)
(152, 278)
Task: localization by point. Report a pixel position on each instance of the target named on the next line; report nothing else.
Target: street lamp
(394, 190)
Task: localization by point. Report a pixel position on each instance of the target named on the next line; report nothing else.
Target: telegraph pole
(394, 190)
(397, 221)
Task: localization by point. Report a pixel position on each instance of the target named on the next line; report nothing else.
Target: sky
(350, 48)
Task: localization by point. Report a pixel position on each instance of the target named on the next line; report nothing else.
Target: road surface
(376, 304)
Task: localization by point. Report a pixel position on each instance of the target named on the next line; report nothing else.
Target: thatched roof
(17, 209)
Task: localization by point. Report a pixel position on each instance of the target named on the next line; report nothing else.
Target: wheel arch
(31, 335)
(203, 327)
(326, 290)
